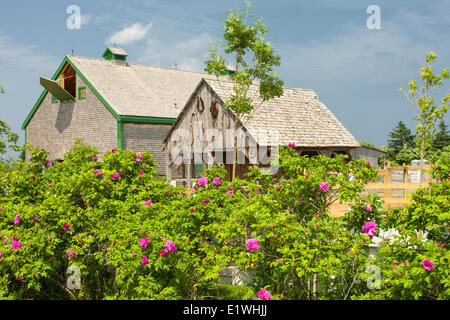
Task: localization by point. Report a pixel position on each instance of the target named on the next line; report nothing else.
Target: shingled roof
(139, 90)
(298, 116)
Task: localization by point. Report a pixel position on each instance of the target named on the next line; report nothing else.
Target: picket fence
(394, 185)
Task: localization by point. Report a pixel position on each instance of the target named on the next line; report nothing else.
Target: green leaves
(299, 244)
(427, 110)
(253, 58)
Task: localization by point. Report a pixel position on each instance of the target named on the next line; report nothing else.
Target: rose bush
(131, 235)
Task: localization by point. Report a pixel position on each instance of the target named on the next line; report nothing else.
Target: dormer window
(64, 89)
(68, 80)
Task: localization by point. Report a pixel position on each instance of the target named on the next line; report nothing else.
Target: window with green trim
(81, 93)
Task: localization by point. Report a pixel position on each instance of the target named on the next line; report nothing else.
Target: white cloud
(21, 65)
(187, 54)
(357, 72)
(16, 56)
(130, 34)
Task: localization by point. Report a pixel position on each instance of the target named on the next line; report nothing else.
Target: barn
(298, 118)
(109, 103)
(112, 103)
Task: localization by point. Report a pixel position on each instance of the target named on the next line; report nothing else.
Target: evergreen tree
(401, 135)
(442, 137)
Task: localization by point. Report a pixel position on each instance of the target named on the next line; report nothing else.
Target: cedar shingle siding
(54, 126)
(147, 137)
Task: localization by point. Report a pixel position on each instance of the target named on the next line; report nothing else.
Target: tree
(405, 155)
(6, 134)
(428, 111)
(442, 138)
(254, 60)
(366, 144)
(400, 136)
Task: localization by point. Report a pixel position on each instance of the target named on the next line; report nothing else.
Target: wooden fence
(394, 185)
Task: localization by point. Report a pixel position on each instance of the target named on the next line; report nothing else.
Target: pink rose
(427, 264)
(369, 228)
(217, 181)
(368, 207)
(252, 244)
(16, 219)
(16, 245)
(71, 253)
(144, 242)
(202, 181)
(170, 246)
(144, 260)
(324, 186)
(116, 175)
(263, 294)
(66, 227)
(147, 203)
(163, 252)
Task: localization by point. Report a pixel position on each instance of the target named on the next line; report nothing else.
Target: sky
(326, 45)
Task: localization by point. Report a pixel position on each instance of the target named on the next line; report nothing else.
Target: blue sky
(324, 45)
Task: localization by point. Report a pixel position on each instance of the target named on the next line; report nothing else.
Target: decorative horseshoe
(200, 104)
(214, 109)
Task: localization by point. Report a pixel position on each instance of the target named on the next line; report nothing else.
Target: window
(81, 93)
(68, 80)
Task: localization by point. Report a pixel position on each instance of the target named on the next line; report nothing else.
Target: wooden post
(188, 172)
(168, 167)
(405, 180)
(387, 179)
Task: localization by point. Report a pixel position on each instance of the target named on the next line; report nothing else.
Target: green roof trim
(119, 134)
(145, 119)
(120, 118)
(55, 76)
